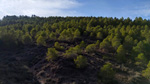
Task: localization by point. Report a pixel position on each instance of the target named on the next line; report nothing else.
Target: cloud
(38, 7)
(139, 10)
(144, 12)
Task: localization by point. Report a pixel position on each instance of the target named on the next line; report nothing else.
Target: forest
(74, 50)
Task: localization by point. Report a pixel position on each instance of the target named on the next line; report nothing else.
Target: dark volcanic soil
(27, 65)
(14, 69)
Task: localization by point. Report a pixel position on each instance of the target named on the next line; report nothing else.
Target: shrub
(146, 72)
(58, 47)
(90, 48)
(128, 43)
(26, 39)
(141, 59)
(44, 35)
(76, 34)
(73, 51)
(66, 35)
(121, 54)
(92, 35)
(52, 36)
(105, 44)
(82, 45)
(85, 33)
(51, 54)
(70, 52)
(107, 73)
(78, 50)
(81, 61)
(99, 35)
(116, 42)
(41, 41)
(33, 32)
(97, 43)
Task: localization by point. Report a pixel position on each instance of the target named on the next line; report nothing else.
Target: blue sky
(105, 8)
(118, 8)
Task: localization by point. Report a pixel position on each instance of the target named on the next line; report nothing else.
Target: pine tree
(91, 48)
(105, 44)
(141, 59)
(146, 72)
(76, 34)
(116, 42)
(58, 47)
(51, 54)
(106, 73)
(26, 39)
(99, 35)
(41, 41)
(80, 61)
(121, 52)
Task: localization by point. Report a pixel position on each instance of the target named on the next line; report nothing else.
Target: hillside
(74, 50)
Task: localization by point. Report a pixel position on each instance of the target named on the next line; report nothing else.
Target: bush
(26, 39)
(82, 45)
(146, 72)
(58, 47)
(97, 43)
(90, 48)
(78, 49)
(52, 36)
(105, 44)
(51, 54)
(141, 59)
(92, 35)
(73, 51)
(70, 52)
(41, 41)
(33, 32)
(99, 35)
(76, 34)
(81, 61)
(121, 52)
(66, 35)
(44, 35)
(116, 42)
(107, 73)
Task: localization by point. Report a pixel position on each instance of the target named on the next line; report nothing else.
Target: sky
(97, 8)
